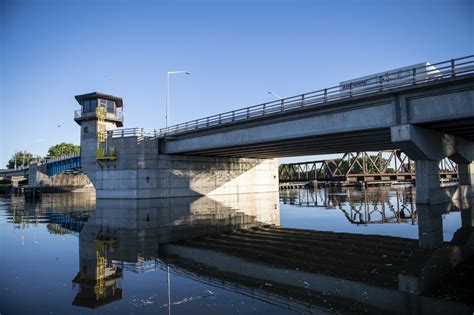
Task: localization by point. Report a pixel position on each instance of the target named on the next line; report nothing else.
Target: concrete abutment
(141, 172)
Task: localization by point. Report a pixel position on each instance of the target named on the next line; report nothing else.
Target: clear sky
(236, 51)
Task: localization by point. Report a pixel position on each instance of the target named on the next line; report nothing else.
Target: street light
(168, 91)
(274, 94)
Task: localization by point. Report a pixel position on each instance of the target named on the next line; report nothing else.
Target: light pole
(168, 92)
(274, 94)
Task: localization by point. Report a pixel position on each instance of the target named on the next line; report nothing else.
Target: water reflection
(314, 271)
(377, 206)
(128, 234)
(242, 245)
(66, 211)
(99, 281)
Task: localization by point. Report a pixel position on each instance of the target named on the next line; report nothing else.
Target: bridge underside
(368, 140)
(354, 141)
(463, 128)
(374, 139)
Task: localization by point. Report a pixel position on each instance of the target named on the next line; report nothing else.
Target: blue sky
(236, 51)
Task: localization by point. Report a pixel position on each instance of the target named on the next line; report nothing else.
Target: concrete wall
(141, 172)
(38, 177)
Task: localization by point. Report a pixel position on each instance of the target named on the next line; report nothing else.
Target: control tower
(99, 113)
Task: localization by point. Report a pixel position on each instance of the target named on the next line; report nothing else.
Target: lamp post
(168, 92)
(274, 94)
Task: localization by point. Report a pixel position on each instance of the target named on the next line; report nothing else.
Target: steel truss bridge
(391, 165)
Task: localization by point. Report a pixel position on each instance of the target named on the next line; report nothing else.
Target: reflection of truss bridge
(359, 207)
(361, 166)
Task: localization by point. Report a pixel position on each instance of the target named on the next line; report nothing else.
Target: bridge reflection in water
(236, 244)
(371, 206)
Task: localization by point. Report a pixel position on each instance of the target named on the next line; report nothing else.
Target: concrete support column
(427, 180)
(430, 226)
(466, 174)
(467, 218)
(428, 147)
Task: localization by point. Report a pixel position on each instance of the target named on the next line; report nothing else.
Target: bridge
(53, 166)
(41, 174)
(333, 120)
(427, 112)
(391, 165)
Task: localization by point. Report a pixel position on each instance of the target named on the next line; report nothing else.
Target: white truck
(384, 80)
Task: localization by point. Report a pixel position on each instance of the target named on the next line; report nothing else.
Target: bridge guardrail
(60, 158)
(132, 132)
(379, 83)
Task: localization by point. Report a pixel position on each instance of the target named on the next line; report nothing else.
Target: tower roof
(118, 100)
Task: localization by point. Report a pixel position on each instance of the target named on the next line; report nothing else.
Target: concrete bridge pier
(464, 157)
(430, 225)
(427, 180)
(428, 147)
(466, 174)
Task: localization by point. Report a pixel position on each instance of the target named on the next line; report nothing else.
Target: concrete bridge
(428, 114)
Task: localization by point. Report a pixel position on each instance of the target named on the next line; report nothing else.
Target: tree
(22, 158)
(63, 149)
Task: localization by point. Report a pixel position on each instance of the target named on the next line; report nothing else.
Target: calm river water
(299, 251)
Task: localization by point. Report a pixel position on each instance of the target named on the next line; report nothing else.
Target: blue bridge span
(53, 166)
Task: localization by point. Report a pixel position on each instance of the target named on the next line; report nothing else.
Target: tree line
(24, 158)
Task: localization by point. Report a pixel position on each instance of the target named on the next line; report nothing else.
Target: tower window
(86, 129)
(86, 108)
(110, 106)
(93, 105)
(89, 106)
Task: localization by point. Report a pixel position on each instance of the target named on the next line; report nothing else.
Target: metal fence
(375, 84)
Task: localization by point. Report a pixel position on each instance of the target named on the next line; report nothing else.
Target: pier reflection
(128, 235)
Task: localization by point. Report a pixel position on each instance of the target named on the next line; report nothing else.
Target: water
(241, 254)
(379, 211)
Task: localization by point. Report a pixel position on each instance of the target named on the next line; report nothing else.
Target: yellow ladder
(101, 133)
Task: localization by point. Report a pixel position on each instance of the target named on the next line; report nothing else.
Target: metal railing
(132, 132)
(60, 158)
(376, 84)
